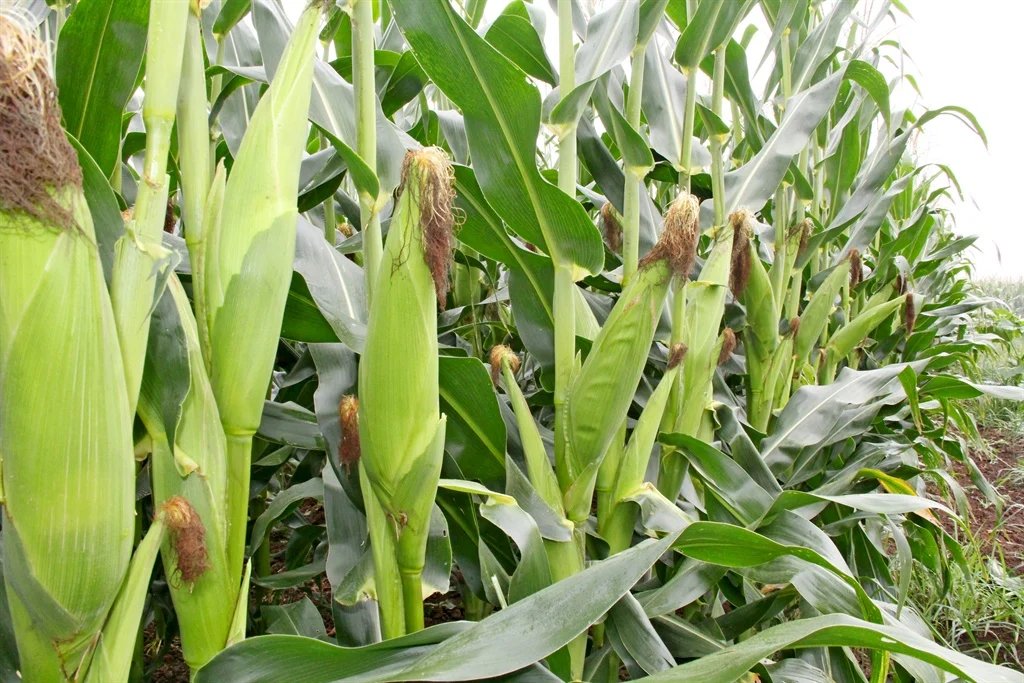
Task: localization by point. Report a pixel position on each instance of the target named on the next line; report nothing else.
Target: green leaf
(335, 284)
(736, 489)
(531, 276)
(103, 207)
(516, 37)
(611, 36)
(489, 89)
(751, 185)
(99, 55)
(475, 435)
(8, 648)
(538, 626)
(289, 423)
(298, 618)
(820, 44)
(284, 503)
(833, 630)
(332, 108)
(663, 96)
(873, 82)
(817, 416)
(634, 636)
(231, 12)
(166, 375)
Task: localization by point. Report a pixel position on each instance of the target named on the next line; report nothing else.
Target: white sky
(969, 54)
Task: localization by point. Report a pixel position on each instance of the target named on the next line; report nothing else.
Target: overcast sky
(970, 54)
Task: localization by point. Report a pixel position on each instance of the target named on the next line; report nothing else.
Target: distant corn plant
(726, 316)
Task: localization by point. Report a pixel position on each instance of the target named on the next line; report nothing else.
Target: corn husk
(65, 431)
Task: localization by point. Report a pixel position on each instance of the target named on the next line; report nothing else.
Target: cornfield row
(652, 353)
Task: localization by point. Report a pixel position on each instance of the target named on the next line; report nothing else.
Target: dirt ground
(1005, 535)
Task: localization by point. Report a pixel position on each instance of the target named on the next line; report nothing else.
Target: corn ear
(538, 466)
(618, 528)
(705, 305)
(113, 658)
(401, 432)
(854, 332)
(203, 600)
(760, 339)
(65, 430)
(398, 384)
(251, 252)
(603, 389)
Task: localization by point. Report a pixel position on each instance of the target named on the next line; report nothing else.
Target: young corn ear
(819, 308)
(602, 391)
(505, 363)
(249, 255)
(617, 530)
(401, 432)
(66, 459)
(705, 306)
(612, 224)
(760, 339)
(189, 468)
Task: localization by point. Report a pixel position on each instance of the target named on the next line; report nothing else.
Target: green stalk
(239, 451)
(566, 559)
(366, 132)
(634, 180)
(386, 577)
(139, 252)
(717, 162)
(687, 406)
(563, 300)
(689, 108)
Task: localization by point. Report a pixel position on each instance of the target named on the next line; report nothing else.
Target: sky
(970, 54)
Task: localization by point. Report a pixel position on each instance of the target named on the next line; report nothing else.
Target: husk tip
(434, 188)
(349, 450)
(677, 245)
(502, 354)
(188, 536)
(37, 161)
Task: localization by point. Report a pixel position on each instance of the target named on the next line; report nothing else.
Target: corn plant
(362, 272)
